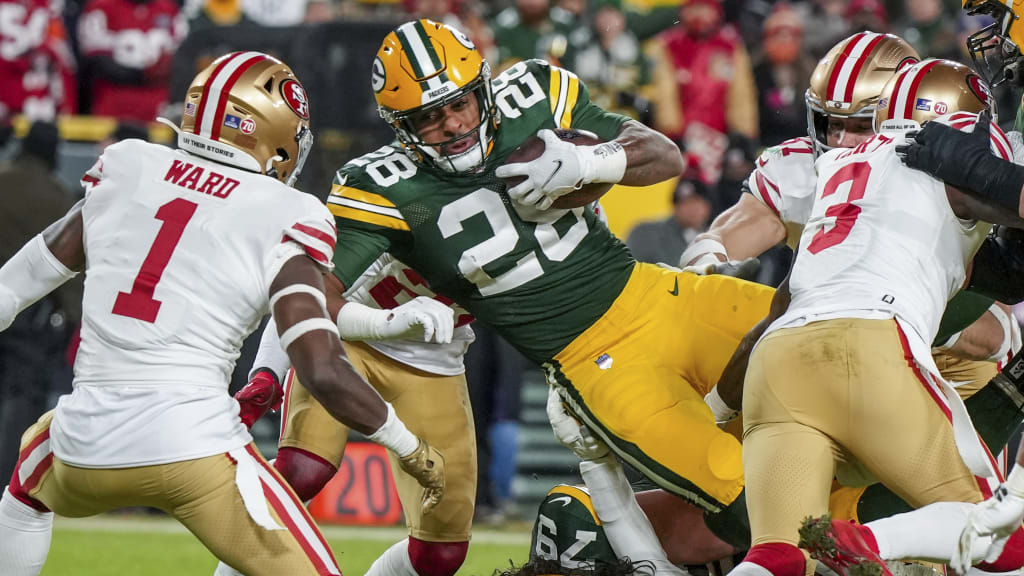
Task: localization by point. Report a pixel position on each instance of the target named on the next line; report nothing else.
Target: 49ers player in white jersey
(409, 343)
(185, 251)
(843, 376)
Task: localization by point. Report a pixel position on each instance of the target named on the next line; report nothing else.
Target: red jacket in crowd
(36, 67)
(129, 45)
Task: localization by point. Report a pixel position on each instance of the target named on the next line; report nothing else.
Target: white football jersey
(180, 254)
(881, 242)
(784, 179)
(387, 284)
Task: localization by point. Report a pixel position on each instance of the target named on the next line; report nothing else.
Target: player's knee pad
(437, 558)
(779, 558)
(304, 471)
(1012, 557)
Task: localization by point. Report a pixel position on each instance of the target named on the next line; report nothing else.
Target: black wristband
(255, 371)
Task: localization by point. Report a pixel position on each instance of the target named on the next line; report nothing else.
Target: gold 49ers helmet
(996, 48)
(928, 90)
(424, 65)
(248, 110)
(848, 80)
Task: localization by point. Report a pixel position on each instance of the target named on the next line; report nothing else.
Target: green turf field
(144, 546)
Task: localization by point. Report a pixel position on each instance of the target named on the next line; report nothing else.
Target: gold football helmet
(848, 80)
(248, 110)
(996, 48)
(930, 89)
(423, 65)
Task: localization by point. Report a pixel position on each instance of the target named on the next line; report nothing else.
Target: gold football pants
(639, 374)
(435, 408)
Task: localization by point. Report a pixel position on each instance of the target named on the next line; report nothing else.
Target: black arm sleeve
(998, 269)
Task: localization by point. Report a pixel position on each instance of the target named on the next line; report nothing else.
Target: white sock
(749, 569)
(628, 530)
(393, 562)
(225, 570)
(930, 533)
(24, 537)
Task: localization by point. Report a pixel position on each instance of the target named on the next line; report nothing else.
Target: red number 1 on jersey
(846, 213)
(139, 303)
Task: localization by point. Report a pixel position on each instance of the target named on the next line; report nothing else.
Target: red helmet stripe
(222, 101)
(837, 69)
(908, 109)
(206, 91)
(863, 58)
(895, 96)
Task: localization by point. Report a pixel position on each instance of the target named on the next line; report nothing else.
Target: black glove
(998, 267)
(965, 161)
(742, 269)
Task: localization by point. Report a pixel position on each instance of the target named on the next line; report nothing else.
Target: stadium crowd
(722, 81)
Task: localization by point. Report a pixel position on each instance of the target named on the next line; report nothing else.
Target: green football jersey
(568, 530)
(540, 278)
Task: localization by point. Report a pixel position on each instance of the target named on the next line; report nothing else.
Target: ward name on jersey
(539, 277)
(164, 318)
(784, 180)
(881, 241)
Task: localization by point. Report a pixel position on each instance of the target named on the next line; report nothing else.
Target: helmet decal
(462, 38)
(980, 89)
(295, 95)
(213, 103)
(377, 75)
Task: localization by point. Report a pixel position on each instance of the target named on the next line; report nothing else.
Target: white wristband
(1015, 481)
(1005, 322)
(721, 410)
(360, 322)
(603, 162)
(702, 252)
(394, 436)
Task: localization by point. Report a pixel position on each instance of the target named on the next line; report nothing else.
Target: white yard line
(163, 525)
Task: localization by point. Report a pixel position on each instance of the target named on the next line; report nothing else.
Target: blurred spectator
(36, 66)
(128, 46)
(930, 29)
(611, 62)
(830, 26)
(782, 73)
(705, 89)
(866, 16)
(32, 350)
(737, 165)
(214, 13)
(664, 240)
(494, 372)
(533, 29)
(275, 12)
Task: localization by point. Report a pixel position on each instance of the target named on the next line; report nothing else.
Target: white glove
(421, 317)
(562, 168)
(998, 517)
(571, 433)
(742, 269)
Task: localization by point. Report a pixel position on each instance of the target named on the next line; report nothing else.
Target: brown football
(533, 147)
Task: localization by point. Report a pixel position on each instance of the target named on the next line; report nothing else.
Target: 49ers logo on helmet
(980, 90)
(295, 95)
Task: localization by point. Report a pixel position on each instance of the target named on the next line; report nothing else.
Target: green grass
(116, 546)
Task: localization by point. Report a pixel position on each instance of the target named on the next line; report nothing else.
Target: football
(533, 147)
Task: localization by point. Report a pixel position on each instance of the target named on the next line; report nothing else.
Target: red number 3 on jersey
(846, 213)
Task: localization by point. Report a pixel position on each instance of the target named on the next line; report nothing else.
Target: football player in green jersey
(631, 348)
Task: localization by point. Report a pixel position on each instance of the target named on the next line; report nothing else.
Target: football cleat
(842, 547)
